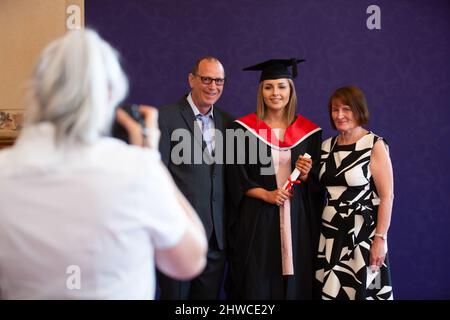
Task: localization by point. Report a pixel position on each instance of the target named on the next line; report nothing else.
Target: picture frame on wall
(11, 122)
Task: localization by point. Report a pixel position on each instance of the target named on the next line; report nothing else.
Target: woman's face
(276, 94)
(343, 116)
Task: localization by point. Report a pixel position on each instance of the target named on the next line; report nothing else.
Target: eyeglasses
(209, 80)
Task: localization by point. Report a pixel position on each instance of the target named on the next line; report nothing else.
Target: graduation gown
(253, 225)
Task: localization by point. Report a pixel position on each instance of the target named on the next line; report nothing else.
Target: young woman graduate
(273, 232)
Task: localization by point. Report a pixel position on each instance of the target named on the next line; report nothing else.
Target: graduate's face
(205, 95)
(276, 94)
(343, 117)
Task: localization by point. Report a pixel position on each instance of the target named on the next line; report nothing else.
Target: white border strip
(272, 145)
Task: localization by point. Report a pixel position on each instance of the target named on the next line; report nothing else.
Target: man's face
(205, 95)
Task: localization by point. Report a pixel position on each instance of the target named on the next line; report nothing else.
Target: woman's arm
(381, 168)
(187, 258)
(277, 196)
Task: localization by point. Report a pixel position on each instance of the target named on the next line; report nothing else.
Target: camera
(119, 132)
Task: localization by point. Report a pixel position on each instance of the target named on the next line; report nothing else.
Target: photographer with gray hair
(85, 216)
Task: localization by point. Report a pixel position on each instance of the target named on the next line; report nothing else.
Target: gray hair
(76, 85)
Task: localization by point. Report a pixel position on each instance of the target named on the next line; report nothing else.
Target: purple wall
(404, 69)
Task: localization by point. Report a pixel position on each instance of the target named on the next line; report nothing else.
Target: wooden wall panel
(26, 27)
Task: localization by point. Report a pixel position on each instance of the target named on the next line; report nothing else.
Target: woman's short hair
(354, 98)
(76, 85)
(290, 108)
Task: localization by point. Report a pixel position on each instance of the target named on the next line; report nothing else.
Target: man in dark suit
(192, 147)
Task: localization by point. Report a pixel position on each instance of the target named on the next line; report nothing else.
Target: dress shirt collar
(210, 113)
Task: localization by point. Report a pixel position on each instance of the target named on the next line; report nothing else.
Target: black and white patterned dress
(348, 224)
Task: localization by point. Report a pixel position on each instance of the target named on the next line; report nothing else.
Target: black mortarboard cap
(276, 68)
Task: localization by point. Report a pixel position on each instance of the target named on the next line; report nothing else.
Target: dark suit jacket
(202, 184)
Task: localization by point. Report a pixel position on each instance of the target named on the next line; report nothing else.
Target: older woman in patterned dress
(357, 173)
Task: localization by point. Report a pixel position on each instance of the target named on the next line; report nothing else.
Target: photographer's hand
(145, 137)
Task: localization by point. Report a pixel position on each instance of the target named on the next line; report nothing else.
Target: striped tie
(206, 126)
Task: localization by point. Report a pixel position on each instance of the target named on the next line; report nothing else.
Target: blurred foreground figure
(84, 216)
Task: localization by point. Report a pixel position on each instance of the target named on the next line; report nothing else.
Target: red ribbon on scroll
(291, 183)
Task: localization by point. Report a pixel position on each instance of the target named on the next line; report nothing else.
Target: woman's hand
(304, 165)
(277, 196)
(145, 137)
(377, 253)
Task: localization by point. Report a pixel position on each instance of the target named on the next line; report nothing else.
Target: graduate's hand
(146, 137)
(277, 196)
(304, 165)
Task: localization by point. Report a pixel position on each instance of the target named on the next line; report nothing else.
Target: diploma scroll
(293, 177)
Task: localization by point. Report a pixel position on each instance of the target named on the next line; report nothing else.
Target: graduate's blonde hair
(290, 108)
